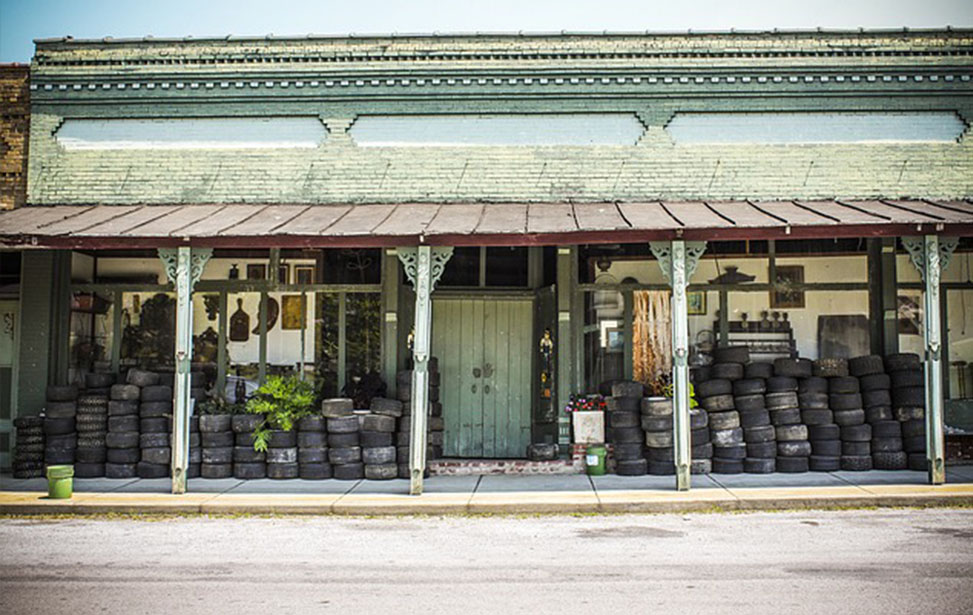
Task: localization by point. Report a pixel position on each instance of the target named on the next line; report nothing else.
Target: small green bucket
(60, 482)
(595, 459)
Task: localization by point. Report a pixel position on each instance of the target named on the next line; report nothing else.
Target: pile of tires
(435, 425)
(759, 434)
(783, 402)
(60, 425)
(217, 445)
(312, 448)
(715, 395)
(248, 463)
(907, 380)
(875, 386)
(123, 453)
(823, 433)
(155, 424)
(625, 431)
(377, 437)
(28, 454)
(656, 421)
(92, 425)
(344, 439)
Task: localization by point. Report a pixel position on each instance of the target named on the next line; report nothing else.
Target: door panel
(484, 348)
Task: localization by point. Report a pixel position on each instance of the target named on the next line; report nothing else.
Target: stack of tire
(875, 387)
(92, 426)
(122, 440)
(723, 420)
(749, 399)
(28, 457)
(216, 439)
(155, 426)
(435, 425)
(403, 435)
(625, 430)
(376, 434)
(282, 454)
(823, 434)
(312, 448)
(908, 405)
(656, 420)
(344, 439)
(98, 383)
(60, 425)
(793, 446)
(247, 462)
(845, 402)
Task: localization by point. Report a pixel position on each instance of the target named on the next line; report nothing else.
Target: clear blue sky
(21, 21)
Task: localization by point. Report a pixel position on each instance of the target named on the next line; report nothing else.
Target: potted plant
(587, 418)
(281, 401)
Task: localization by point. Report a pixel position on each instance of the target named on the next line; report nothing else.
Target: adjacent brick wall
(14, 127)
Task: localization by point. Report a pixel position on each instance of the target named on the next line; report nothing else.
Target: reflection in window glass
(506, 266)
(960, 336)
(326, 345)
(90, 338)
(353, 266)
(148, 330)
(462, 268)
(363, 331)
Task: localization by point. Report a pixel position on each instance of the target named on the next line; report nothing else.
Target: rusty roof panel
(119, 224)
(845, 214)
(647, 216)
(930, 209)
(220, 219)
(893, 214)
(407, 219)
(168, 225)
(92, 217)
(551, 218)
(794, 213)
(599, 217)
(314, 220)
(743, 214)
(461, 219)
(503, 218)
(361, 220)
(695, 214)
(265, 221)
(28, 220)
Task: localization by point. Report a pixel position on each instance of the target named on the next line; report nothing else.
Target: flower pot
(589, 427)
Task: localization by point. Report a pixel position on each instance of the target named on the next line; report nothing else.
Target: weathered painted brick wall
(14, 123)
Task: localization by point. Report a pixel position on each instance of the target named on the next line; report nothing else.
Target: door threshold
(480, 467)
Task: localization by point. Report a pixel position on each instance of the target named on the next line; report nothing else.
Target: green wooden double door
(485, 351)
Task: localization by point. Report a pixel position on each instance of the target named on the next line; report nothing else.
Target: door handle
(476, 372)
(473, 388)
(486, 389)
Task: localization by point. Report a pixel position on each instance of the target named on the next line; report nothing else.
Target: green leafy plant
(282, 400)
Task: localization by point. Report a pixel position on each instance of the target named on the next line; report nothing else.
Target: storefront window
(148, 330)
(90, 334)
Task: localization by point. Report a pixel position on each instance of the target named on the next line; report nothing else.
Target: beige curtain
(652, 336)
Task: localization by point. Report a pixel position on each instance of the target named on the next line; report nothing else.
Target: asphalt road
(887, 562)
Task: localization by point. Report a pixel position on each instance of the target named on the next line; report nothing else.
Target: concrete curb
(509, 503)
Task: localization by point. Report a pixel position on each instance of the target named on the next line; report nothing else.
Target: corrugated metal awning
(375, 225)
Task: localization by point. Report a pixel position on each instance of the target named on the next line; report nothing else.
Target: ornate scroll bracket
(197, 262)
(662, 251)
(916, 247)
(410, 262)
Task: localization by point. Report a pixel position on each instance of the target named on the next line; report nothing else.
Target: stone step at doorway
(466, 467)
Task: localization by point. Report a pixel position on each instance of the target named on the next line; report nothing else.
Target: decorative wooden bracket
(197, 262)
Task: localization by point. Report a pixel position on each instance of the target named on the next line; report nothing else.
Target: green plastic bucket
(60, 482)
(595, 459)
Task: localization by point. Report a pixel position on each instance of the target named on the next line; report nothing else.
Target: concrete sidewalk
(565, 494)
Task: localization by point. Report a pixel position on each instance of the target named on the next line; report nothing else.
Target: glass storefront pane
(90, 334)
(148, 330)
(959, 331)
(363, 353)
(326, 344)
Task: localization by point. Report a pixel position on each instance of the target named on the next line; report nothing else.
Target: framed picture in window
(284, 274)
(304, 274)
(696, 303)
(292, 312)
(785, 295)
(256, 271)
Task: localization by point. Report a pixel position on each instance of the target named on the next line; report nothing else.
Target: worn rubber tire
(386, 407)
(918, 462)
(243, 439)
(846, 418)
(908, 413)
(652, 454)
(248, 470)
(801, 448)
(909, 396)
(123, 408)
(718, 403)
(68, 392)
(826, 448)
(217, 439)
(726, 437)
(861, 463)
(340, 407)
(650, 423)
(892, 460)
(156, 424)
(699, 436)
(727, 371)
(824, 463)
(217, 456)
(621, 418)
(886, 445)
(623, 404)
(146, 469)
(915, 444)
(698, 418)
(282, 455)
(158, 392)
(843, 385)
(906, 378)
(830, 368)
(626, 452)
(759, 465)
(627, 388)
(57, 427)
(699, 373)
(120, 470)
(385, 471)
(347, 424)
(122, 439)
(212, 423)
(749, 403)
(793, 465)
(283, 471)
(733, 451)
(378, 456)
(216, 470)
(866, 365)
(731, 354)
(625, 434)
(125, 392)
(658, 439)
(781, 384)
(762, 450)
(879, 397)
(790, 433)
(856, 449)
(912, 428)
(781, 401)
(712, 388)
(902, 361)
(349, 471)
(856, 433)
(787, 416)
(372, 439)
(312, 455)
(754, 419)
(344, 455)
(727, 466)
(244, 423)
(345, 440)
(635, 467)
(875, 382)
(379, 422)
(656, 406)
(812, 416)
(60, 409)
(793, 368)
(312, 439)
(155, 409)
(157, 455)
(123, 455)
(719, 421)
(123, 423)
(754, 435)
(886, 429)
(317, 471)
(154, 440)
(876, 414)
(701, 451)
(246, 454)
(141, 378)
(279, 438)
(813, 401)
(660, 468)
(845, 401)
(758, 370)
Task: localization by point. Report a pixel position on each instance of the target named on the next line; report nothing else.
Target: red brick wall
(14, 123)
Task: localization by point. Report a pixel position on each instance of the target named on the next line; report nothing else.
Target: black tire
(314, 439)
(726, 437)
(780, 401)
(60, 409)
(915, 444)
(155, 409)
(343, 456)
(123, 456)
(656, 406)
(765, 433)
(281, 455)
(727, 466)
(702, 451)
(378, 456)
(845, 401)
(158, 455)
(728, 371)
(312, 424)
(918, 462)
(826, 448)
(89, 470)
(830, 368)
(349, 471)
(379, 422)
(58, 456)
(875, 382)
(879, 397)
(824, 463)
(843, 385)
(813, 416)
(793, 465)
(625, 434)
(120, 470)
(856, 433)
(246, 454)
(913, 428)
(216, 470)
(635, 467)
(758, 370)
(151, 470)
(125, 392)
(856, 449)
(793, 368)
(699, 436)
(342, 407)
(791, 433)
(845, 418)
(624, 452)
(653, 454)
(908, 413)
(754, 419)
(372, 439)
(875, 414)
(718, 403)
(282, 439)
(62, 393)
(749, 403)
(387, 407)
(907, 378)
(141, 378)
(660, 468)
(712, 388)
(886, 445)
(98, 381)
(861, 463)
(91, 455)
(731, 354)
(622, 419)
(800, 448)
(158, 392)
(58, 427)
(886, 429)
(154, 440)
(623, 404)
(245, 423)
(283, 471)
(386, 471)
(781, 384)
(345, 440)
(753, 386)
(313, 455)
(813, 386)
(69, 440)
(757, 465)
(719, 421)
(650, 423)
(896, 460)
(217, 456)
(699, 374)
(902, 361)
(155, 425)
(243, 439)
(122, 439)
(123, 408)
(909, 396)
(343, 425)
(249, 470)
(657, 439)
(211, 423)
(787, 416)
(762, 450)
(123, 423)
(813, 401)
(698, 418)
(627, 388)
(217, 439)
(866, 365)
(318, 471)
(737, 451)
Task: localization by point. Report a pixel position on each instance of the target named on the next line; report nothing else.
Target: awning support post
(930, 255)
(678, 260)
(423, 266)
(183, 266)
